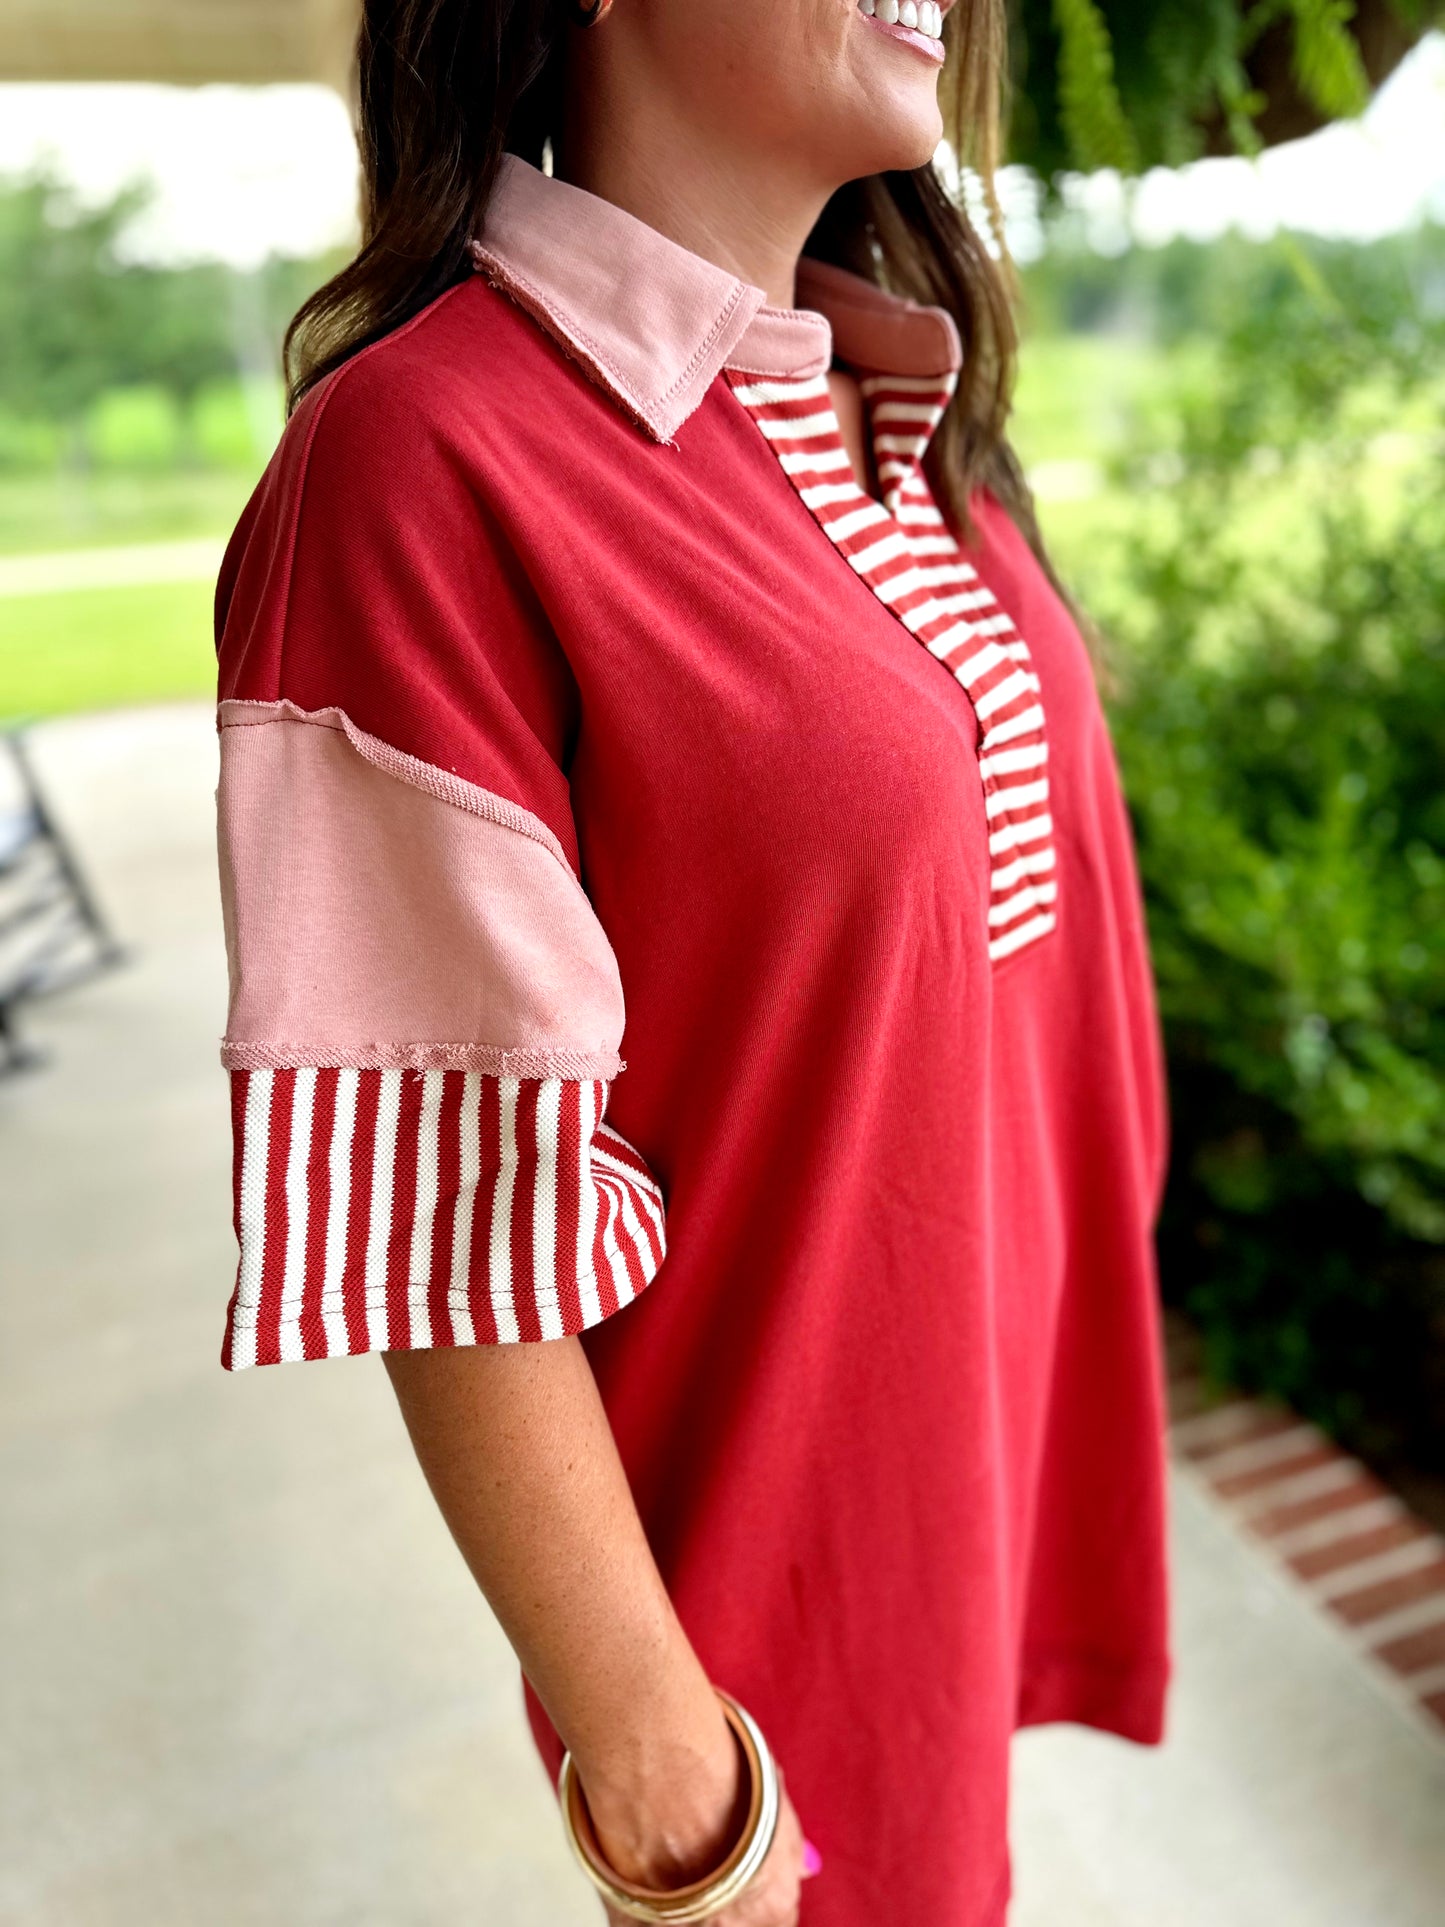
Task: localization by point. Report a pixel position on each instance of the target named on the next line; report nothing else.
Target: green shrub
(1280, 639)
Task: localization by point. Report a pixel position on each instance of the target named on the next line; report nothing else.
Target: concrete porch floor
(247, 1679)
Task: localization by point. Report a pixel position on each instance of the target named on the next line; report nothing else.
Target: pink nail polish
(812, 1860)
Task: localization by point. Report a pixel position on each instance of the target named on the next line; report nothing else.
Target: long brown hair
(447, 86)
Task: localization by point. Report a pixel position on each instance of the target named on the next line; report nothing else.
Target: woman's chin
(895, 138)
(896, 157)
(919, 151)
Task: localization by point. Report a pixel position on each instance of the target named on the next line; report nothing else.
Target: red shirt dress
(575, 700)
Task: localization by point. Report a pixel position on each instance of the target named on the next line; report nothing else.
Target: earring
(588, 15)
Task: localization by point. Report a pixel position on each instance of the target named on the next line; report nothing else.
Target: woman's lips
(932, 50)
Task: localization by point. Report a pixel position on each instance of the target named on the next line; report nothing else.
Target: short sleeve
(425, 1013)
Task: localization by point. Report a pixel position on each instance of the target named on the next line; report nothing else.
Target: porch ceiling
(186, 41)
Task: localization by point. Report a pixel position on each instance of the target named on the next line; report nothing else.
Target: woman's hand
(671, 1821)
(771, 1897)
(516, 1446)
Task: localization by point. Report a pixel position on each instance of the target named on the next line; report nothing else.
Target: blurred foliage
(80, 320)
(1142, 83)
(1281, 724)
(1191, 290)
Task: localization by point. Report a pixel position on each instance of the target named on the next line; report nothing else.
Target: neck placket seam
(905, 554)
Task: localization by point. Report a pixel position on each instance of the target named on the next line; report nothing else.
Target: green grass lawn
(97, 648)
(44, 513)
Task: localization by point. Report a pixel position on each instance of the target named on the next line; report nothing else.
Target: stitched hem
(699, 361)
(784, 369)
(492, 1060)
(240, 713)
(1115, 1693)
(330, 1329)
(419, 1296)
(807, 373)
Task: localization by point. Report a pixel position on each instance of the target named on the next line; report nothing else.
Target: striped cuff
(400, 1209)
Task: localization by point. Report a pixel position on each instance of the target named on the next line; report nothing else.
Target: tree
(78, 318)
(64, 303)
(1140, 83)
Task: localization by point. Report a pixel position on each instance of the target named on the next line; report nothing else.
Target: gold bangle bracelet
(700, 1899)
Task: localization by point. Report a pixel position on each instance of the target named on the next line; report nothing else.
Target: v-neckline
(904, 552)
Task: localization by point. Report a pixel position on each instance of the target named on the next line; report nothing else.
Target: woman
(643, 599)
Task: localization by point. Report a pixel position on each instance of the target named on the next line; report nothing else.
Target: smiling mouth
(917, 23)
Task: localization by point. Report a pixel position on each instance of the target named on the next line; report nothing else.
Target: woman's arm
(519, 1455)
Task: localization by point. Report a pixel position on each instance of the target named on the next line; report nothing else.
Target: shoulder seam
(327, 390)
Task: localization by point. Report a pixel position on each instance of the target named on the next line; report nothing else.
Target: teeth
(924, 16)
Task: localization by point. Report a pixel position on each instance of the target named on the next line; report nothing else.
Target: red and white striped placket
(905, 553)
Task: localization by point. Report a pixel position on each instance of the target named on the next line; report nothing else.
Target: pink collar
(654, 324)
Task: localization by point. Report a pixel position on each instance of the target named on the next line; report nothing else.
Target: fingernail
(812, 1860)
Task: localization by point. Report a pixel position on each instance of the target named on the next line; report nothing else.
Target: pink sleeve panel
(382, 912)
(424, 1022)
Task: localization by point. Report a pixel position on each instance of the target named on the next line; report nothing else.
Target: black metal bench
(52, 931)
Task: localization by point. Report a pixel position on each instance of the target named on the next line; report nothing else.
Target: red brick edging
(1349, 1541)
